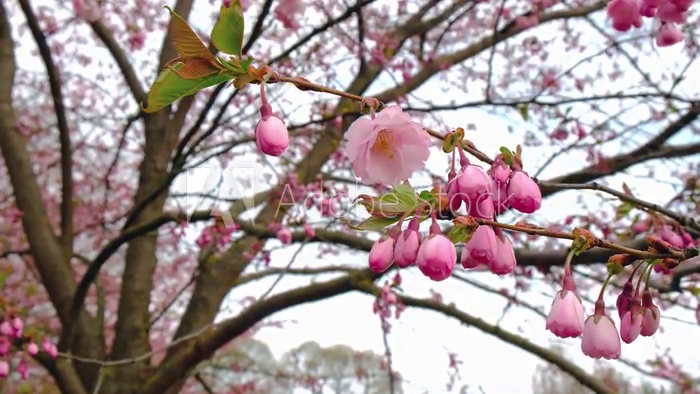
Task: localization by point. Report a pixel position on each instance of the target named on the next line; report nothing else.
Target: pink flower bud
(23, 370)
(631, 324)
(4, 345)
(682, 5)
(436, 257)
(624, 300)
(525, 195)
(600, 338)
(17, 326)
(670, 13)
(271, 135)
(565, 319)
(647, 10)
(284, 234)
(501, 202)
(667, 234)
(4, 368)
(227, 3)
(309, 231)
(49, 348)
(406, 248)
(6, 328)
(382, 254)
(624, 13)
(669, 34)
(473, 182)
(481, 248)
(504, 261)
(652, 315)
(499, 172)
(32, 348)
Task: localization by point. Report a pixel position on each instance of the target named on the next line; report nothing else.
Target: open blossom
(565, 319)
(668, 35)
(600, 338)
(388, 148)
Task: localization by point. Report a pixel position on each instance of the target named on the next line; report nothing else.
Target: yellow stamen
(384, 144)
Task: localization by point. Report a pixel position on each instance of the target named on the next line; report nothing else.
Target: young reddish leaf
(196, 68)
(227, 34)
(169, 87)
(186, 42)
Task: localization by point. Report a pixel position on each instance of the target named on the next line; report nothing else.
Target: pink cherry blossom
(4, 368)
(388, 148)
(482, 248)
(381, 256)
(17, 327)
(504, 261)
(523, 192)
(600, 338)
(436, 257)
(407, 245)
(631, 325)
(624, 14)
(271, 135)
(284, 234)
(669, 34)
(670, 13)
(565, 319)
(624, 299)
(32, 348)
(6, 328)
(309, 231)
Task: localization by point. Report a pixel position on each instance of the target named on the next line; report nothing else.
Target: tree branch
(449, 310)
(64, 133)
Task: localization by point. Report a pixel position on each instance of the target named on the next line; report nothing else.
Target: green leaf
(425, 195)
(227, 34)
(185, 40)
(523, 112)
(169, 87)
(374, 223)
(460, 234)
(3, 278)
(623, 210)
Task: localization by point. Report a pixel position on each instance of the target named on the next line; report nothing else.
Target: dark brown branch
(127, 70)
(63, 131)
(682, 220)
(449, 310)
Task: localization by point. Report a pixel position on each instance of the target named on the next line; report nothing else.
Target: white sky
(420, 340)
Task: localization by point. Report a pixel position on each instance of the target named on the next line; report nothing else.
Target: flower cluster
(12, 333)
(599, 335)
(670, 13)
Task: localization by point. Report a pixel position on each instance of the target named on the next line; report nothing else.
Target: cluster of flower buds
(435, 256)
(217, 232)
(11, 332)
(271, 134)
(600, 337)
(386, 301)
(628, 13)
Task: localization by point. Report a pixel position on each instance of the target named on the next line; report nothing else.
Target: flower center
(384, 144)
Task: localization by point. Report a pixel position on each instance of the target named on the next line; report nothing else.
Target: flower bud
(284, 234)
(652, 315)
(32, 348)
(382, 254)
(309, 231)
(271, 135)
(624, 300)
(436, 257)
(481, 248)
(407, 245)
(6, 328)
(473, 182)
(500, 172)
(23, 370)
(631, 324)
(565, 319)
(17, 326)
(600, 338)
(504, 261)
(4, 368)
(524, 194)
